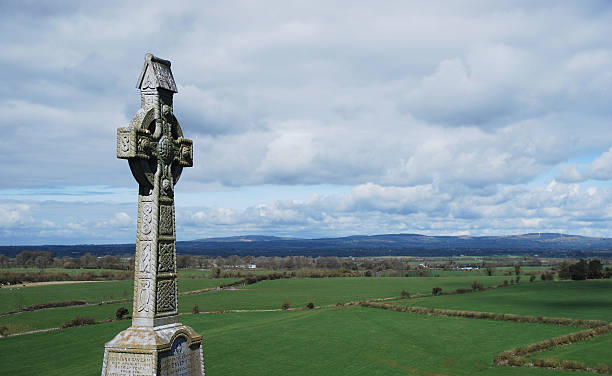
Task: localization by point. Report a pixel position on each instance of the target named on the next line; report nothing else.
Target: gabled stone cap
(156, 74)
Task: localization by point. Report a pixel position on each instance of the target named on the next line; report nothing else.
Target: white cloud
(437, 114)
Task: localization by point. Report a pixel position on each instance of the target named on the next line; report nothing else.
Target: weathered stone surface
(153, 144)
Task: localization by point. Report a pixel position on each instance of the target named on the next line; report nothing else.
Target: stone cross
(157, 152)
(153, 144)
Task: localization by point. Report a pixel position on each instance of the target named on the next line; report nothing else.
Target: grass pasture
(349, 341)
(13, 298)
(323, 291)
(331, 341)
(262, 295)
(592, 352)
(575, 299)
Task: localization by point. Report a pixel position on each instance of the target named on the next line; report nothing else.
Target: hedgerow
(488, 315)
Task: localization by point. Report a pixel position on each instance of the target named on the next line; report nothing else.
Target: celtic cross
(156, 151)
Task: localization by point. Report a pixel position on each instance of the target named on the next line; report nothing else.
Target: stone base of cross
(156, 343)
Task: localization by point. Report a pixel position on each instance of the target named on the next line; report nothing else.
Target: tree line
(582, 270)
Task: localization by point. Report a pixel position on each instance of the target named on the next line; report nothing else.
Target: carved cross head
(153, 143)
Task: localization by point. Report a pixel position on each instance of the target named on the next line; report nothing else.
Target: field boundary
(72, 303)
(516, 357)
(488, 315)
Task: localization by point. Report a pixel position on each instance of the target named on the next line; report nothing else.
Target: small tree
(3, 330)
(476, 285)
(195, 310)
(594, 269)
(532, 278)
(490, 270)
(405, 294)
(517, 269)
(309, 305)
(285, 306)
(579, 270)
(436, 290)
(121, 312)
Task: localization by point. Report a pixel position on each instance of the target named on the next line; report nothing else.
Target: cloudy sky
(313, 118)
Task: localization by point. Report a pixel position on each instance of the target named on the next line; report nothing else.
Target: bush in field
(309, 305)
(532, 278)
(195, 310)
(79, 321)
(505, 282)
(476, 285)
(547, 276)
(518, 278)
(436, 290)
(405, 294)
(3, 330)
(285, 306)
(121, 312)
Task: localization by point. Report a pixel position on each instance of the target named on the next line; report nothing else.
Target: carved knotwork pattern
(165, 261)
(147, 210)
(165, 220)
(166, 295)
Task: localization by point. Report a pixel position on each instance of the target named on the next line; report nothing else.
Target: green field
(353, 341)
(263, 295)
(55, 317)
(322, 291)
(592, 352)
(35, 270)
(13, 298)
(576, 299)
(330, 341)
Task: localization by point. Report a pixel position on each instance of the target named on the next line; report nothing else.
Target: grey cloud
(400, 94)
(598, 169)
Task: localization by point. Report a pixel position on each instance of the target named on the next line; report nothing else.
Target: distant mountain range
(543, 244)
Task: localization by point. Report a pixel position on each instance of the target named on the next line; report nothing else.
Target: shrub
(476, 285)
(339, 304)
(436, 290)
(518, 278)
(405, 294)
(79, 321)
(532, 278)
(195, 310)
(309, 305)
(505, 282)
(3, 330)
(66, 303)
(121, 312)
(285, 306)
(547, 276)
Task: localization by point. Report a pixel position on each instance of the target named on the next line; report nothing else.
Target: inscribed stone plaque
(129, 364)
(180, 360)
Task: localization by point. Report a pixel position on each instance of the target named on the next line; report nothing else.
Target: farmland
(332, 340)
